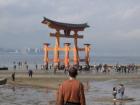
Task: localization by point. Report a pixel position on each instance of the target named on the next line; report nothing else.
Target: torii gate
(67, 28)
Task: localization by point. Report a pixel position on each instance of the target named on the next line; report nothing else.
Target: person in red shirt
(71, 91)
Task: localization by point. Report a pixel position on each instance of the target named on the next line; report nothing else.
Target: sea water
(32, 60)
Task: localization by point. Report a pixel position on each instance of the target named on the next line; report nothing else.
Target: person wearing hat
(71, 91)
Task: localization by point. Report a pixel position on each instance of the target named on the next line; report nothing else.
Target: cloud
(111, 22)
(4, 3)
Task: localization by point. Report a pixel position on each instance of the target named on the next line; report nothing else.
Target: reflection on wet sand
(86, 86)
(97, 93)
(51, 103)
(13, 88)
(118, 103)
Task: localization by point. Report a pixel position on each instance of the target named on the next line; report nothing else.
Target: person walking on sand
(30, 72)
(71, 91)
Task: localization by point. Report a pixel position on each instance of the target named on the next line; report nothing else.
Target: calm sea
(8, 59)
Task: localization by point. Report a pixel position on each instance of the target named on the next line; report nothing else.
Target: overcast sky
(114, 24)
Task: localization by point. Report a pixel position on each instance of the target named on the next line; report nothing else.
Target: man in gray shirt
(121, 91)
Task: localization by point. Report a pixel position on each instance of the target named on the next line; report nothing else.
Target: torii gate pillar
(66, 60)
(75, 50)
(87, 56)
(46, 59)
(56, 49)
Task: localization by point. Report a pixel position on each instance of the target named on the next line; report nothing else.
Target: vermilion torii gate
(67, 28)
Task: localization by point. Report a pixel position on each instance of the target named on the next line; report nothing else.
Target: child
(114, 93)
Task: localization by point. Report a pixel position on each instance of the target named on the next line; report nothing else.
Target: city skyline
(114, 25)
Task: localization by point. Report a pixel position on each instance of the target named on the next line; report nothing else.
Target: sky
(114, 24)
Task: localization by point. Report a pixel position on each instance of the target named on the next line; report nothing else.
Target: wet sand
(98, 86)
(46, 79)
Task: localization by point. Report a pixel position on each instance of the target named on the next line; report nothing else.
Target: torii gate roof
(64, 26)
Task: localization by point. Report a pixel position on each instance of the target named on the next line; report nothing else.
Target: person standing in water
(13, 76)
(121, 91)
(71, 91)
(114, 93)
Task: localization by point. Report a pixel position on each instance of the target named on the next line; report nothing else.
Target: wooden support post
(66, 60)
(75, 49)
(87, 56)
(56, 51)
(46, 59)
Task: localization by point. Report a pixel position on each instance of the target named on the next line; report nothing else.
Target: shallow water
(98, 93)
(7, 59)
(22, 96)
(102, 90)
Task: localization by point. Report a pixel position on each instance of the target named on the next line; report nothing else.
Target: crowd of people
(129, 68)
(102, 68)
(97, 68)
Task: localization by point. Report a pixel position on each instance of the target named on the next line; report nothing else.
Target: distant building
(33, 50)
(22, 51)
